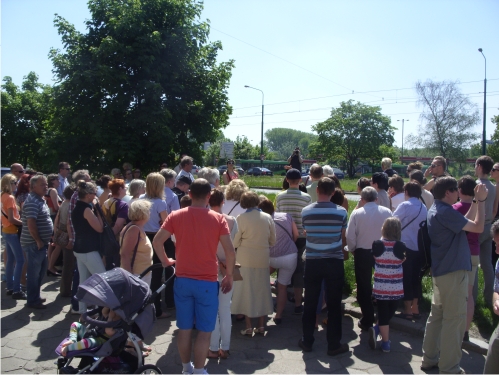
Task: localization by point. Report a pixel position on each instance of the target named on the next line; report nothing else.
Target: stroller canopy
(122, 292)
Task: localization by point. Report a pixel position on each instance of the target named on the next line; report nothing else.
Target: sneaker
(342, 349)
(19, 295)
(373, 337)
(298, 310)
(385, 346)
(200, 372)
(429, 368)
(188, 371)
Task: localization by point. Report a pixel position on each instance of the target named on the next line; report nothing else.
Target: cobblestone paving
(29, 337)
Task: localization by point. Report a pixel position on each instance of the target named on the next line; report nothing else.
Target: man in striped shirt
(35, 237)
(325, 224)
(292, 201)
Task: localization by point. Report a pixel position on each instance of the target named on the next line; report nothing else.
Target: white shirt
(184, 173)
(427, 197)
(364, 226)
(397, 199)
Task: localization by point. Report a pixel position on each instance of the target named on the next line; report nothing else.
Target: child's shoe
(373, 336)
(385, 346)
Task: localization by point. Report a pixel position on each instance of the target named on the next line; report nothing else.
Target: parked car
(267, 172)
(257, 171)
(5, 170)
(338, 173)
(195, 169)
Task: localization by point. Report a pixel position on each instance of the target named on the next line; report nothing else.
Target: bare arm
(118, 226)
(225, 178)
(163, 215)
(12, 219)
(495, 303)
(471, 214)
(230, 261)
(157, 244)
(429, 185)
(128, 246)
(476, 226)
(294, 230)
(496, 201)
(33, 231)
(55, 199)
(94, 221)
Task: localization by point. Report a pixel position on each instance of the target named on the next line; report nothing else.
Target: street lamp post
(403, 135)
(484, 145)
(261, 145)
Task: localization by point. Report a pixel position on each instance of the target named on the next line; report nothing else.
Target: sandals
(213, 354)
(223, 354)
(164, 315)
(260, 330)
(247, 332)
(405, 316)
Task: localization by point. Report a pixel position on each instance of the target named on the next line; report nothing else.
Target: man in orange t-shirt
(197, 230)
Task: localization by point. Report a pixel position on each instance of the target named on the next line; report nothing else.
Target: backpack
(424, 246)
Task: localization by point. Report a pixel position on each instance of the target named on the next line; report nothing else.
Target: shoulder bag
(136, 245)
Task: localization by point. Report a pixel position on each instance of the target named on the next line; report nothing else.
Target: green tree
(26, 113)
(142, 85)
(354, 132)
(447, 119)
(283, 141)
(243, 148)
(493, 149)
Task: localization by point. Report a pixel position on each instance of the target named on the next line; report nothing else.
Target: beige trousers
(447, 322)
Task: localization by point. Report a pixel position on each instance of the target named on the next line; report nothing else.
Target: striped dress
(388, 272)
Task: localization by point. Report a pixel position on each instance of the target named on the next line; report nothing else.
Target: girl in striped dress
(389, 254)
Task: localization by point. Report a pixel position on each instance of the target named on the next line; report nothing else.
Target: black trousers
(386, 311)
(156, 278)
(170, 253)
(363, 265)
(332, 272)
(411, 280)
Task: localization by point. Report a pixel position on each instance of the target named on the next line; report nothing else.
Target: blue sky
(309, 56)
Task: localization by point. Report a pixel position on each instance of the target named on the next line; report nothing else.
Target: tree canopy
(141, 85)
(448, 118)
(26, 113)
(283, 141)
(355, 131)
(493, 149)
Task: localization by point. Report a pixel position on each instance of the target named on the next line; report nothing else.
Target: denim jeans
(37, 267)
(332, 272)
(15, 261)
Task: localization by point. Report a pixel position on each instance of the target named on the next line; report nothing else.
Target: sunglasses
(67, 169)
(230, 162)
(433, 165)
(494, 170)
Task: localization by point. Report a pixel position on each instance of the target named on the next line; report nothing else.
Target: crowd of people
(305, 235)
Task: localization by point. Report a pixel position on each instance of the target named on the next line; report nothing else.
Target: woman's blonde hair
(155, 185)
(235, 189)
(391, 229)
(6, 183)
(139, 210)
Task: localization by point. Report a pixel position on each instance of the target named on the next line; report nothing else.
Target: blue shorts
(196, 299)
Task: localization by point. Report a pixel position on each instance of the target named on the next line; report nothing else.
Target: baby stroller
(131, 299)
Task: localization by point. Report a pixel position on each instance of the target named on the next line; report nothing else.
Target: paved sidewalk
(29, 337)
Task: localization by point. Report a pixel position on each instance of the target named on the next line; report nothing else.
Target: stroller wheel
(148, 369)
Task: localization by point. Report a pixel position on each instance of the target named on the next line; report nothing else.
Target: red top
(197, 231)
(473, 238)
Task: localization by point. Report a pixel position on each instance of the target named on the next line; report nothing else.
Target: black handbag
(110, 246)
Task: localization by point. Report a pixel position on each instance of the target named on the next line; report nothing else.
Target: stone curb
(418, 329)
